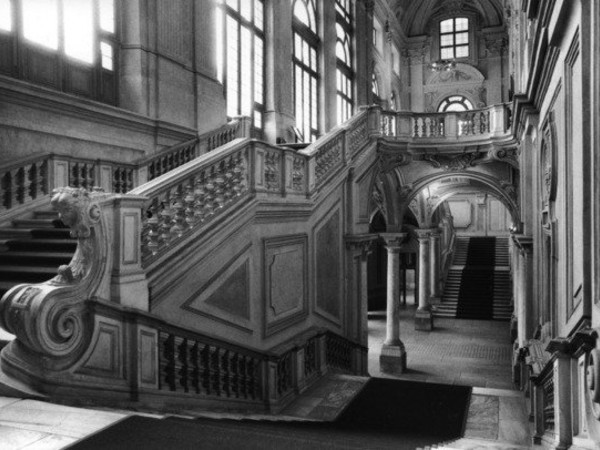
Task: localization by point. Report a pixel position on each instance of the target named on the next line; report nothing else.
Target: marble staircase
(465, 268)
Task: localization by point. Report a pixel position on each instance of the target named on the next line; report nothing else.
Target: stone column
(423, 316)
(393, 354)
(524, 289)
(434, 247)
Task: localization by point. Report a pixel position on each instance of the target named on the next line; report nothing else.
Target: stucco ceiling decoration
(416, 15)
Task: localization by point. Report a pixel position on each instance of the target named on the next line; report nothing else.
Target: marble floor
(457, 351)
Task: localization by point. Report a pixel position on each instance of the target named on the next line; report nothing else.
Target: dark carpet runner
(476, 295)
(386, 414)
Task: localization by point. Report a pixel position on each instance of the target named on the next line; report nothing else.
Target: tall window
(241, 54)
(454, 38)
(65, 44)
(343, 51)
(305, 68)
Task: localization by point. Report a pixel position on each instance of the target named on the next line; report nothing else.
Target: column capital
(361, 243)
(393, 241)
(423, 233)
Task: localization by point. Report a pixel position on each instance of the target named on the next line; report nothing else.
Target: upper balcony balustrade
(476, 126)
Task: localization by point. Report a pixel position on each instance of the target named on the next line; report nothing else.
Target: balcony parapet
(488, 124)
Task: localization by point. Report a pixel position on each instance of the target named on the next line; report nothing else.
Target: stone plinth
(423, 320)
(393, 358)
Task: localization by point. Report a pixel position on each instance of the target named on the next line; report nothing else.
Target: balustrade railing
(194, 194)
(484, 123)
(194, 365)
(29, 179)
(23, 182)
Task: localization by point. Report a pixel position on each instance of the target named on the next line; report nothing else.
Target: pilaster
(523, 292)
(279, 110)
(435, 282)
(563, 430)
(359, 247)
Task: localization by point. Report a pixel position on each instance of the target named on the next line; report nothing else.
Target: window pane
(462, 52)
(462, 24)
(79, 29)
(246, 72)
(258, 14)
(233, 4)
(40, 22)
(452, 107)
(446, 26)
(462, 38)
(301, 13)
(232, 67)
(246, 9)
(447, 53)
(5, 15)
(107, 15)
(107, 55)
(258, 70)
(447, 40)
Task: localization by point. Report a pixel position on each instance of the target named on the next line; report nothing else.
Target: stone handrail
(484, 123)
(175, 156)
(200, 191)
(26, 180)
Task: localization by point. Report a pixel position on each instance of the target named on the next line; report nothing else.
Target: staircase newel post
(393, 353)
(128, 284)
(374, 120)
(423, 316)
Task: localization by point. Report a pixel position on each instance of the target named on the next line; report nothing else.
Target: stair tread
(28, 269)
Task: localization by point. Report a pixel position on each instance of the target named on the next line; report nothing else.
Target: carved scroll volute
(50, 319)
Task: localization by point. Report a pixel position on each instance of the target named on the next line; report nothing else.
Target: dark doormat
(387, 414)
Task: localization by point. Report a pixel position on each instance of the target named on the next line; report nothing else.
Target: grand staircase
(478, 285)
(32, 249)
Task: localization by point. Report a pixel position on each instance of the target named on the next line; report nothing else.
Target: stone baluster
(393, 354)
(423, 316)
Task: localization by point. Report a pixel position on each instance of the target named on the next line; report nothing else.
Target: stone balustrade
(487, 123)
(23, 182)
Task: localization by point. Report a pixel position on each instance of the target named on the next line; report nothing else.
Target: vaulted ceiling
(414, 15)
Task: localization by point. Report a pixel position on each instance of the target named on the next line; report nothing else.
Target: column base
(393, 359)
(423, 320)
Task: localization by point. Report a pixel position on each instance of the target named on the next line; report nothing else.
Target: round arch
(494, 186)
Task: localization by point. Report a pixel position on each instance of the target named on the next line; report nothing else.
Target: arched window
(306, 68)
(240, 26)
(455, 103)
(454, 38)
(343, 52)
(74, 40)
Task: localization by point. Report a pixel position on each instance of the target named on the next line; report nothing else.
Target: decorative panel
(328, 263)
(232, 295)
(148, 357)
(225, 296)
(286, 282)
(106, 357)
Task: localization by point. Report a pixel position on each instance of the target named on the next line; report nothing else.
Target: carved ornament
(454, 163)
